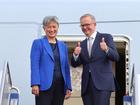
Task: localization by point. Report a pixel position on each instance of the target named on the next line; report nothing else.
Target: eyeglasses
(86, 25)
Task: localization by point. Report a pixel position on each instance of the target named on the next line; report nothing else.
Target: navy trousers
(53, 96)
(93, 96)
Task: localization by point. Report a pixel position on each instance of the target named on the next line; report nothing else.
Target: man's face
(88, 25)
(51, 29)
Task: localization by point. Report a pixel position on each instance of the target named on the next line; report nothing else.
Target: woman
(50, 71)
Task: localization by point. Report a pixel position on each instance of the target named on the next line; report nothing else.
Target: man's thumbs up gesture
(77, 49)
(103, 45)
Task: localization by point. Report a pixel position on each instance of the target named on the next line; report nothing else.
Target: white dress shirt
(93, 36)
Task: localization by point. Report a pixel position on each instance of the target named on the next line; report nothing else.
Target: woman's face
(51, 29)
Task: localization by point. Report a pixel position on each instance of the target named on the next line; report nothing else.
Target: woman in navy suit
(50, 71)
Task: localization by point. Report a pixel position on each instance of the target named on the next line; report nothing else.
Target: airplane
(21, 23)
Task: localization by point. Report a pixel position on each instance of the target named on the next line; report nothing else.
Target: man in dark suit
(96, 54)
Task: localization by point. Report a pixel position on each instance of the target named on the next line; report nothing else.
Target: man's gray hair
(48, 19)
(86, 15)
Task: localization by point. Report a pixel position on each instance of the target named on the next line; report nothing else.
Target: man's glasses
(86, 25)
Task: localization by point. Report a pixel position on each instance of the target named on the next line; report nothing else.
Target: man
(96, 54)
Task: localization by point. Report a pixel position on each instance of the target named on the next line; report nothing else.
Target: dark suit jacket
(42, 64)
(100, 63)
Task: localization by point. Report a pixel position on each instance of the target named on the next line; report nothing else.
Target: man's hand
(103, 45)
(77, 50)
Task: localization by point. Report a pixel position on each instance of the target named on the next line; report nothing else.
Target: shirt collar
(93, 35)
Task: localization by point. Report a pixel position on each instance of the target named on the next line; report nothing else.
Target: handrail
(132, 79)
(14, 96)
(3, 76)
(7, 91)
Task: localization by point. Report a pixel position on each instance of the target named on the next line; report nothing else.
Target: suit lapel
(95, 44)
(85, 49)
(48, 47)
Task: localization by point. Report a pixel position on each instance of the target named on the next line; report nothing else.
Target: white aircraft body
(21, 23)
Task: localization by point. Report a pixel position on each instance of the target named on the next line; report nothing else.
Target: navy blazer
(42, 64)
(100, 63)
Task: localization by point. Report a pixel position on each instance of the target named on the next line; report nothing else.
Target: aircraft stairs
(9, 95)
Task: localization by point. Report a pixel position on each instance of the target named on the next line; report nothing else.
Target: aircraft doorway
(119, 70)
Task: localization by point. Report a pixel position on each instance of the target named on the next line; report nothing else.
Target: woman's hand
(35, 90)
(68, 94)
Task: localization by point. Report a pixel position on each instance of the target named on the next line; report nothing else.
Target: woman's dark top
(57, 66)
